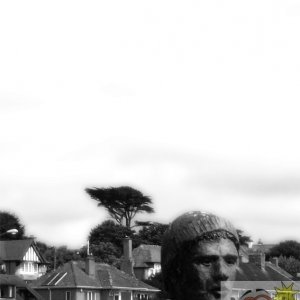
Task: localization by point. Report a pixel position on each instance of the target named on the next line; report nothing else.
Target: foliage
(106, 241)
(122, 203)
(289, 264)
(106, 252)
(287, 249)
(151, 233)
(57, 256)
(109, 231)
(8, 221)
(244, 239)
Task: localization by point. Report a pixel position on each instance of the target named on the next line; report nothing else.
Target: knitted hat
(193, 224)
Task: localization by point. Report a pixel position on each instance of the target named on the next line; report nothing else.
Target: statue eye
(205, 261)
(231, 260)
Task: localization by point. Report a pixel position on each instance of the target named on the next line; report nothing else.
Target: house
(258, 273)
(146, 260)
(91, 281)
(22, 258)
(14, 288)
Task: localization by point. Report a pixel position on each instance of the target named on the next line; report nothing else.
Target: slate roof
(72, 274)
(145, 254)
(251, 272)
(110, 277)
(68, 275)
(14, 250)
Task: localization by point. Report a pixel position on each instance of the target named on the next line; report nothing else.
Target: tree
(244, 239)
(287, 249)
(289, 264)
(106, 252)
(106, 241)
(109, 231)
(122, 203)
(8, 221)
(151, 233)
(57, 256)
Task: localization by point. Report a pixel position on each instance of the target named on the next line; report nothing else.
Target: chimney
(274, 261)
(90, 267)
(259, 259)
(127, 261)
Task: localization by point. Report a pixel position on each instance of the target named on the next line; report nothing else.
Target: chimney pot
(259, 259)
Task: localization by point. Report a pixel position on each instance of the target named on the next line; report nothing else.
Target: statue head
(199, 252)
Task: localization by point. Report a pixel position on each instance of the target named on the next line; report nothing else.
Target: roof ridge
(279, 270)
(73, 272)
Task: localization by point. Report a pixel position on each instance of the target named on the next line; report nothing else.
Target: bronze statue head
(199, 252)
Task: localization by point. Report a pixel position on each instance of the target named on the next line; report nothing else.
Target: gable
(145, 254)
(31, 255)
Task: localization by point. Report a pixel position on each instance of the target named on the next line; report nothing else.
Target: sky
(194, 103)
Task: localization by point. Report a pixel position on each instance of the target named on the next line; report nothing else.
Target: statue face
(207, 264)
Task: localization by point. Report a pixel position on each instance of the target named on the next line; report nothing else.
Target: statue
(199, 252)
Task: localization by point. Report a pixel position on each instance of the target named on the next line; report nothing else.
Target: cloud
(218, 174)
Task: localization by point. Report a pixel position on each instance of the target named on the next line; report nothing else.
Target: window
(68, 295)
(90, 296)
(116, 297)
(142, 297)
(29, 267)
(7, 291)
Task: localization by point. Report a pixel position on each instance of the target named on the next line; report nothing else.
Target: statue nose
(221, 271)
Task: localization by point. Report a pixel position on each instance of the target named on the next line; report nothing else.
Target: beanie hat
(193, 224)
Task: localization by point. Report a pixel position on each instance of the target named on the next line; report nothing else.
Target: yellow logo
(285, 292)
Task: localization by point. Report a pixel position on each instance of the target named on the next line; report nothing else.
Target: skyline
(194, 104)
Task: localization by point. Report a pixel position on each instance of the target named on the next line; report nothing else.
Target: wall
(60, 294)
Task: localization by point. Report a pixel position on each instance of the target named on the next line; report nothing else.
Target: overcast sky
(195, 103)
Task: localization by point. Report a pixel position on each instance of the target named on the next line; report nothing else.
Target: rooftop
(72, 274)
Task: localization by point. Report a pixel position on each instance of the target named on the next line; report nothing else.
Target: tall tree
(9, 221)
(287, 249)
(122, 203)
